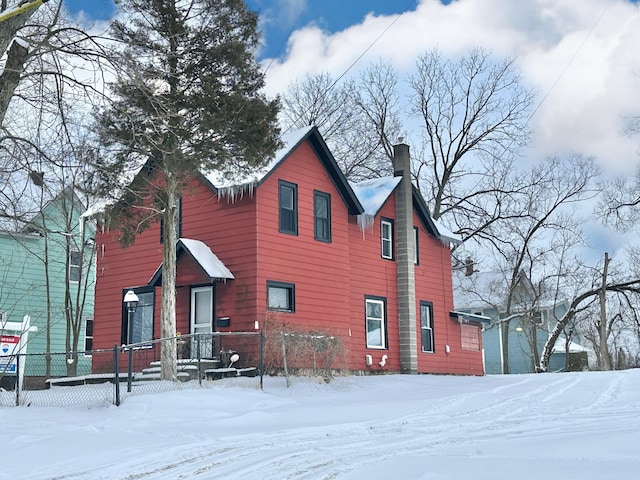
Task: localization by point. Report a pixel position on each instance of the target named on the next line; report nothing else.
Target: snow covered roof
(233, 186)
(574, 347)
(373, 193)
(211, 265)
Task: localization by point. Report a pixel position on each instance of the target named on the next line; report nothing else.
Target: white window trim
(383, 323)
(74, 265)
(384, 240)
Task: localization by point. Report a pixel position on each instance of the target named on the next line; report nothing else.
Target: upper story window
(386, 238)
(281, 296)
(75, 265)
(322, 216)
(178, 221)
(288, 205)
(416, 256)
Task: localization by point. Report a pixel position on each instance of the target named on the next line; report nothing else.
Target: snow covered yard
(569, 426)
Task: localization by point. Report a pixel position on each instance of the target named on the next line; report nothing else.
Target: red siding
(331, 279)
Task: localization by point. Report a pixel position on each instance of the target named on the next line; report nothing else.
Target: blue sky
(279, 17)
(96, 9)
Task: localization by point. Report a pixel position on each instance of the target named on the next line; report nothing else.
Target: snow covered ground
(565, 426)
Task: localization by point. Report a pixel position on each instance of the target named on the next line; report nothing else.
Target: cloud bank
(580, 56)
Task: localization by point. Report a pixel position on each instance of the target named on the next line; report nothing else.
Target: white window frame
(75, 266)
(386, 238)
(86, 322)
(427, 327)
(381, 320)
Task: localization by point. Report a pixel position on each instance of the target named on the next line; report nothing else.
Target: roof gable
(374, 193)
(291, 141)
(202, 255)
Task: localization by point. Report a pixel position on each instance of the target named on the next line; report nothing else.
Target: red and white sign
(8, 351)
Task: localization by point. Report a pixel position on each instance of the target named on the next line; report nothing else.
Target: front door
(202, 321)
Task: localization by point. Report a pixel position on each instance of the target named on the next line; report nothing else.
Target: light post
(131, 301)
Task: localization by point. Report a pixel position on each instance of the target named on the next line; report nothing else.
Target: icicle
(365, 222)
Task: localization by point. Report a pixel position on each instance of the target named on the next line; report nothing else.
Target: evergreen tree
(187, 99)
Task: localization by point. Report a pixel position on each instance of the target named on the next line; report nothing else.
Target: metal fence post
(117, 374)
(129, 370)
(261, 358)
(18, 380)
(199, 363)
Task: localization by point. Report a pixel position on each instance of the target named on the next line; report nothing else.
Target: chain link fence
(104, 377)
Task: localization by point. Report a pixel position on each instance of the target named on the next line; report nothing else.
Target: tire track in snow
(327, 452)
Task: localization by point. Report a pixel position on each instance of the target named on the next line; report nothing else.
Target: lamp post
(131, 301)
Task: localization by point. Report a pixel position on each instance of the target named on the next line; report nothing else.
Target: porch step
(92, 379)
(218, 373)
(204, 363)
(182, 376)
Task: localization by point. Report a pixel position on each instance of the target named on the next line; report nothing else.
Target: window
(322, 216)
(288, 202)
(386, 238)
(88, 336)
(281, 296)
(178, 221)
(426, 326)
(375, 311)
(75, 263)
(137, 326)
(415, 246)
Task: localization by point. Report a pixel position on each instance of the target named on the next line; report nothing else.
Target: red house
(298, 243)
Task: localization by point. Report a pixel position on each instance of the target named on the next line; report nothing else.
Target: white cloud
(580, 56)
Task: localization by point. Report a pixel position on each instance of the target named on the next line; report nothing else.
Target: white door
(202, 320)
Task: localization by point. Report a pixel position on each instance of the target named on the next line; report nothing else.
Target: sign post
(13, 342)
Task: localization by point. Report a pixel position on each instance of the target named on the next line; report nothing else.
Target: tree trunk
(602, 323)
(168, 360)
(505, 346)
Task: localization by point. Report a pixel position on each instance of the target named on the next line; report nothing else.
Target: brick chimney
(404, 261)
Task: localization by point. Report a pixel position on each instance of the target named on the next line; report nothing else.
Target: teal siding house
(527, 325)
(46, 272)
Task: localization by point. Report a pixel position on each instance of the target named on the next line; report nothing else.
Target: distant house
(297, 242)
(37, 263)
(528, 322)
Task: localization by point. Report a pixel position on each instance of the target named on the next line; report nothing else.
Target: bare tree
(474, 118)
(359, 119)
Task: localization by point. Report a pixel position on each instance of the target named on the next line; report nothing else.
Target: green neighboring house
(47, 272)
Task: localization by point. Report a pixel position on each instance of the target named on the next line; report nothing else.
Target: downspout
(404, 261)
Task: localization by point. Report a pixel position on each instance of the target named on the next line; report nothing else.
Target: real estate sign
(9, 347)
